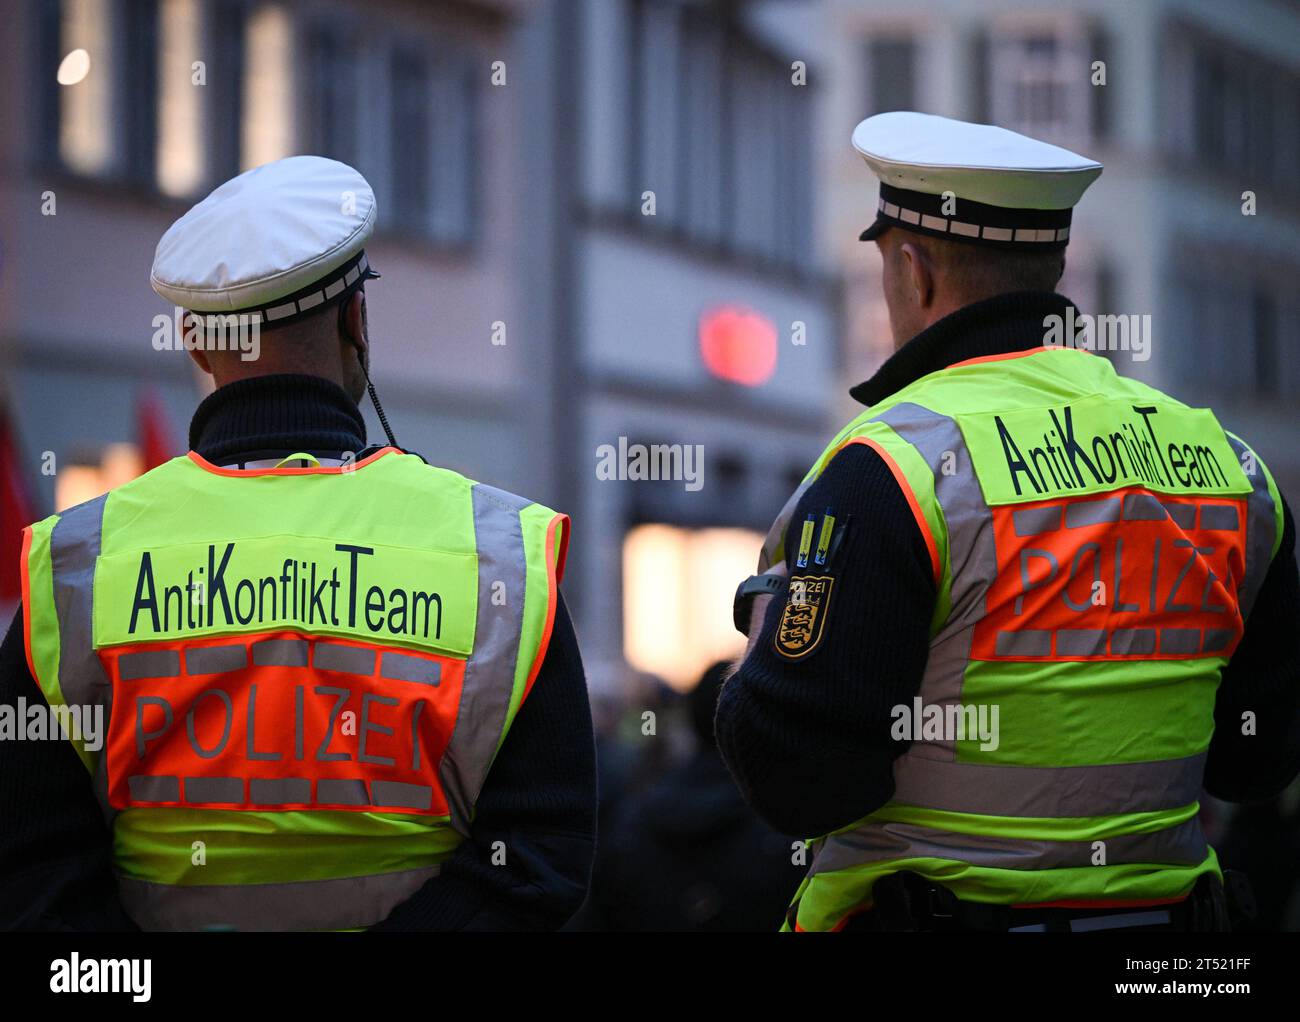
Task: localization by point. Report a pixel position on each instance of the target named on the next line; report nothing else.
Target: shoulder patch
(803, 621)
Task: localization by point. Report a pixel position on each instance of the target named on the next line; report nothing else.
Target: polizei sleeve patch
(803, 620)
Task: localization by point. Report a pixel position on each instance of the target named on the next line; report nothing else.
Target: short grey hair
(976, 271)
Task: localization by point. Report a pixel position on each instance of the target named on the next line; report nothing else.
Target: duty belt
(906, 901)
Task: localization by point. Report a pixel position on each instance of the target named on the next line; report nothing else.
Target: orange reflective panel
(1124, 575)
(279, 720)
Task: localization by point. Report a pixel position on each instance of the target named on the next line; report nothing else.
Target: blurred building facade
(685, 262)
(595, 223)
(1200, 105)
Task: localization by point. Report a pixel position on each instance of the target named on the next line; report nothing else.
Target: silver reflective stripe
(1142, 507)
(972, 559)
(74, 546)
(149, 663)
(400, 794)
(1033, 521)
(1132, 641)
(1184, 515)
(213, 659)
(333, 656)
(154, 788)
(489, 674)
(1026, 642)
(1182, 844)
(1217, 639)
(1091, 512)
(1261, 531)
(280, 653)
(304, 905)
(1219, 516)
(341, 792)
(1180, 640)
(403, 667)
(1081, 642)
(214, 789)
(1048, 791)
(279, 790)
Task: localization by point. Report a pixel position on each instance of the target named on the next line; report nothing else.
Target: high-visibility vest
(306, 674)
(1096, 547)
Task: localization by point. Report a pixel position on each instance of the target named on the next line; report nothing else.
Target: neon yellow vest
(306, 674)
(1096, 548)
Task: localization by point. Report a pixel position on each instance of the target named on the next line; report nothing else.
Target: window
(891, 74)
(432, 144)
(1209, 101)
(1230, 111)
(269, 96)
(144, 114)
(454, 147)
(182, 140)
(678, 586)
(138, 28)
(720, 134)
(1267, 364)
(754, 157)
(85, 107)
(703, 122)
(137, 115)
(409, 137)
(1238, 321)
(426, 95)
(654, 100)
(1039, 82)
(331, 92)
(106, 116)
(1259, 127)
(225, 85)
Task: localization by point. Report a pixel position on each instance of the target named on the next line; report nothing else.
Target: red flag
(16, 513)
(152, 430)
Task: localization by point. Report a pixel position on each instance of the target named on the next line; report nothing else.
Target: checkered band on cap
(969, 221)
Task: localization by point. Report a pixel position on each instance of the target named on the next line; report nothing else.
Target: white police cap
(276, 242)
(1005, 190)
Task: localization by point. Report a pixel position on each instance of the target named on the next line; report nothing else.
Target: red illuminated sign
(738, 345)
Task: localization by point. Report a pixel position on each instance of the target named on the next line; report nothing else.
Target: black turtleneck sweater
(539, 799)
(808, 740)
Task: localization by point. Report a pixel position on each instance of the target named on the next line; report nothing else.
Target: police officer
(1022, 608)
(338, 686)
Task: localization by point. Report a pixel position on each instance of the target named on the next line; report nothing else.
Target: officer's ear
(193, 327)
(353, 321)
(918, 274)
